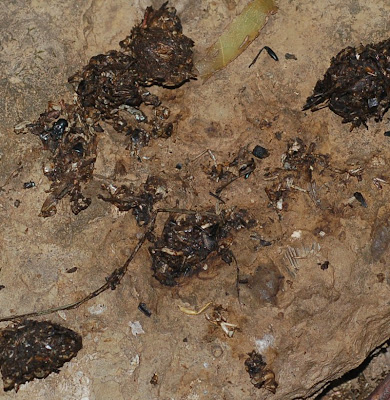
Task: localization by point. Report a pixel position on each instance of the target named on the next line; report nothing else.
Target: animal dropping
(33, 350)
(355, 86)
(112, 87)
(186, 243)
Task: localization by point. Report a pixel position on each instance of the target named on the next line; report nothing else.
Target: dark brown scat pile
(155, 53)
(357, 84)
(34, 349)
(112, 87)
(162, 54)
(187, 242)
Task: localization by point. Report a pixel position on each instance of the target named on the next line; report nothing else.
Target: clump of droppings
(187, 242)
(33, 350)
(111, 88)
(356, 85)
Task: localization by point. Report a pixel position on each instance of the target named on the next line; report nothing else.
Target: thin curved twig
(115, 278)
(112, 281)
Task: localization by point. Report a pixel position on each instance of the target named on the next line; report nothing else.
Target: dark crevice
(355, 373)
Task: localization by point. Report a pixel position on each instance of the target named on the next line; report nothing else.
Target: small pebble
(359, 197)
(79, 148)
(144, 309)
(28, 185)
(260, 152)
(265, 243)
(136, 328)
(387, 133)
(324, 265)
(289, 56)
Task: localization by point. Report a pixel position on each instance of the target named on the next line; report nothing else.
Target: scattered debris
(261, 376)
(134, 363)
(292, 256)
(262, 242)
(154, 379)
(125, 199)
(356, 84)
(136, 328)
(300, 164)
(187, 242)
(324, 265)
(144, 309)
(97, 309)
(64, 131)
(188, 311)
(242, 166)
(218, 317)
(112, 87)
(35, 349)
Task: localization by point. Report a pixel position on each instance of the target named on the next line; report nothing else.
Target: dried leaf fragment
(236, 37)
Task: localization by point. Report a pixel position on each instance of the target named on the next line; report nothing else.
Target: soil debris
(34, 349)
(301, 166)
(187, 242)
(242, 166)
(356, 85)
(219, 317)
(360, 198)
(154, 379)
(261, 376)
(190, 311)
(64, 131)
(125, 198)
